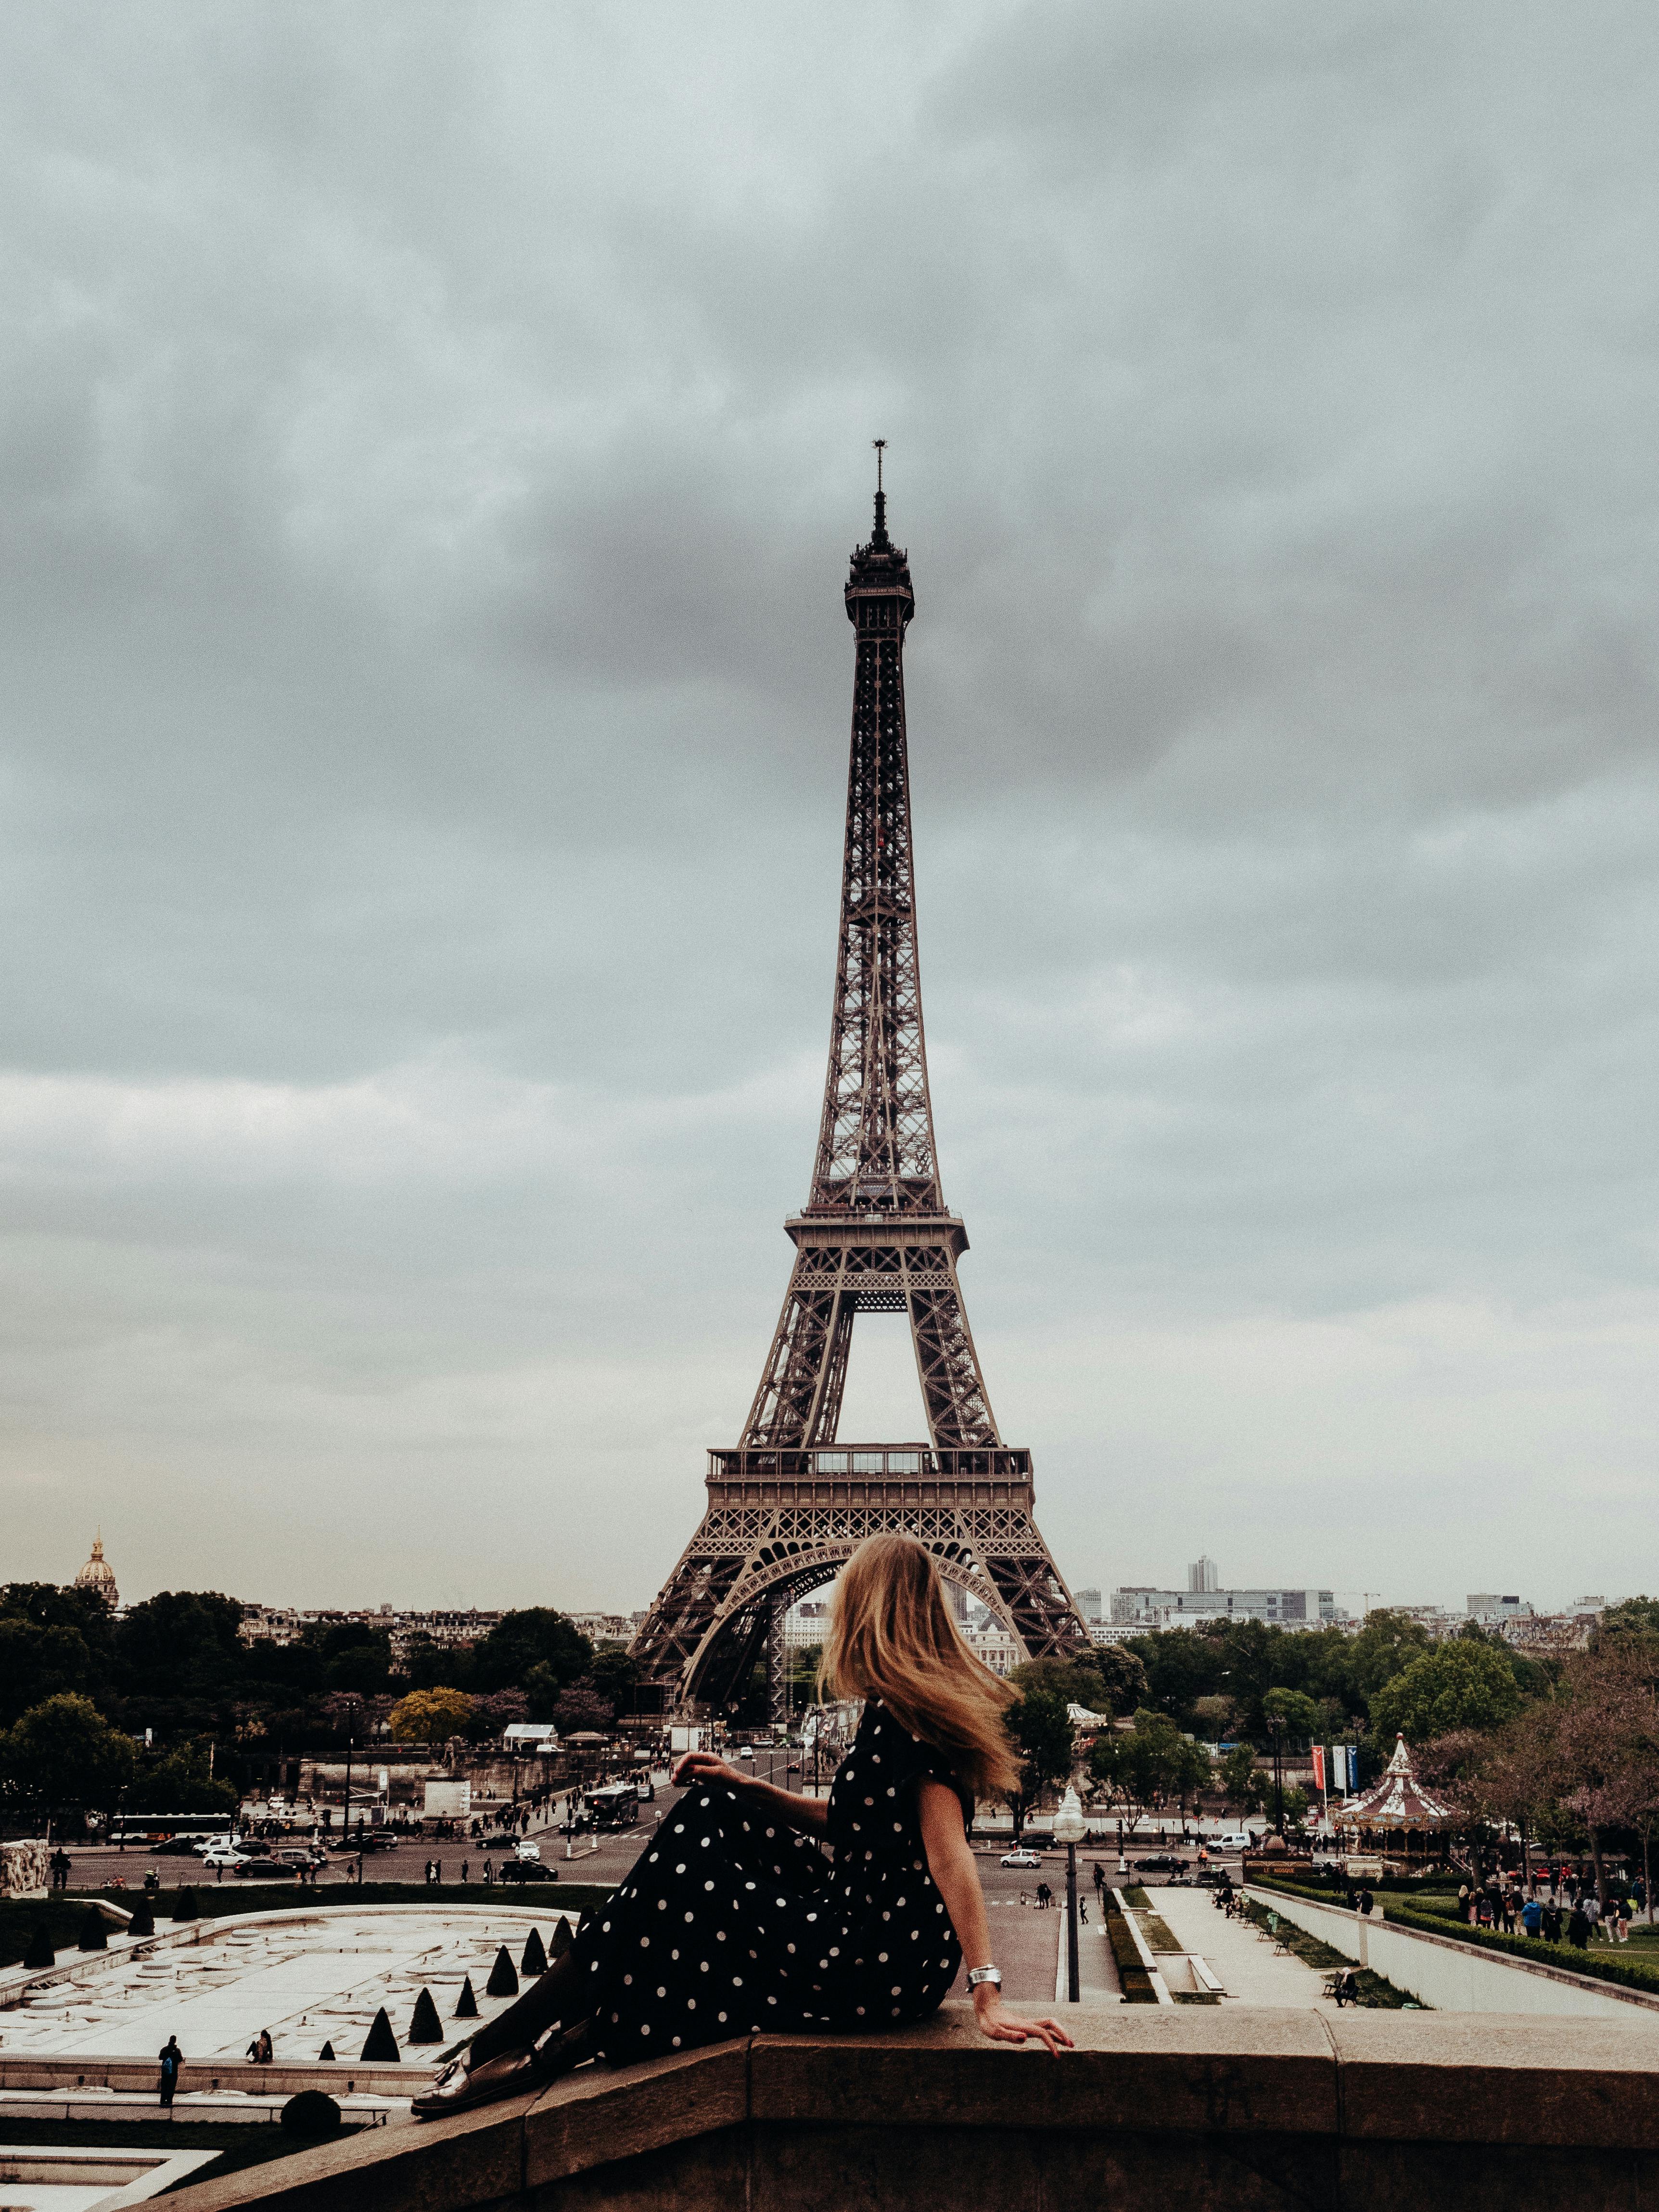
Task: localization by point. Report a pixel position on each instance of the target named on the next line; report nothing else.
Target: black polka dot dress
(730, 1922)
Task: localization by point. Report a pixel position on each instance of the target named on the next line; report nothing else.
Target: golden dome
(98, 1575)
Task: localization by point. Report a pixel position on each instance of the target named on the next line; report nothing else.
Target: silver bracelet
(978, 1974)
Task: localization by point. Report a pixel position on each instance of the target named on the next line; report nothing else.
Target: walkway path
(1242, 1961)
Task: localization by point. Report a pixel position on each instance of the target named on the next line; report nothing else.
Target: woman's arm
(957, 1878)
(810, 1813)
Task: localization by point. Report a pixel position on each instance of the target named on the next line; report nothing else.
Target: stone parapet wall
(1452, 1976)
(1236, 2109)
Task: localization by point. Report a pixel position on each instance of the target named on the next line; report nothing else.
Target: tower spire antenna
(880, 537)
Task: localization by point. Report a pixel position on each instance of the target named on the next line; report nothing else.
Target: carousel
(1395, 1826)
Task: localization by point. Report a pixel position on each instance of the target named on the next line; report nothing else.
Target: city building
(1203, 1574)
(98, 1575)
(1140, 1607)
(1088, 1604)
(1485, 1605)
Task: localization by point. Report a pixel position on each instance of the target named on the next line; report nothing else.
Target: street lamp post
(1070, 1829)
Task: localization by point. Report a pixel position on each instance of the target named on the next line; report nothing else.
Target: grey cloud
(429, 449)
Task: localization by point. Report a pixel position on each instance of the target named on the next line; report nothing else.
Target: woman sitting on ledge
(730, 1922)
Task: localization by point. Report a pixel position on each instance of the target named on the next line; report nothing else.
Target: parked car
(292, 1858)
(1021, 1858)
(527, 1871)
(1210, 1878)
(227, 1855)
(1160, 1862)
(746, 1751)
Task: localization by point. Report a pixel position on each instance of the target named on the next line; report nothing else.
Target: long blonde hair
(892, 1637)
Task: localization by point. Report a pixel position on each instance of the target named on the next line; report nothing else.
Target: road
(1023, 1939)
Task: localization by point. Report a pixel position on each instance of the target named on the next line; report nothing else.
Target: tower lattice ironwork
(790, 1503)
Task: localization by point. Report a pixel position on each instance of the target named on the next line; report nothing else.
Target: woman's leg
(553, 2000)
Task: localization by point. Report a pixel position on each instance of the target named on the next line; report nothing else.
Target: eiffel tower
(791, 1502)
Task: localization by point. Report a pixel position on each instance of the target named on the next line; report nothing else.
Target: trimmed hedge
(1602, 1966)
(1133, 1978)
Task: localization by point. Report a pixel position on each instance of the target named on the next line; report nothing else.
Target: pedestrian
(1591, 1909)
(261, 2051)
(1463, 1901)
(172, 2060)
(1367, 1901)
(1532, 1917)
(930, 1741)
(1100, 1879)
(489, 1872)
(1552, 1922)
(1509, 1912)
(464, 1863)
(1083, 1910)
(1578, 1928)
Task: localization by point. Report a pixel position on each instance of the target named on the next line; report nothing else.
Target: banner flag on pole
(1319, 1767)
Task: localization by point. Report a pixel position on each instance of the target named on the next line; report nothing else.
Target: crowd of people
(1567, 1907)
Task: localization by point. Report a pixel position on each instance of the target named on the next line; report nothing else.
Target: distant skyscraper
(1088, 1603)
(1203, 1574)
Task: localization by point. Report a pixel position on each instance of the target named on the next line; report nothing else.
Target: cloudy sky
(431, 438)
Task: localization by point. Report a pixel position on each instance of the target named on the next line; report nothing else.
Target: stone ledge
(1194, 2094)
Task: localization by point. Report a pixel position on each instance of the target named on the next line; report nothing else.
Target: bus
(616, 1806)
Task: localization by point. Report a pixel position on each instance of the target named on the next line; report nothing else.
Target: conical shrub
(326, 2052)
(94, 1935)
(503, 1982)
(381, 2047)
(40, 1951)
(561, 1943)
(184, 1906)
(142, 1922)
(466, 2006)
(424, 2026)
(534, 1961)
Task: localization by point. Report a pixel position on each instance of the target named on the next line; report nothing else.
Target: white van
(1240, 1842)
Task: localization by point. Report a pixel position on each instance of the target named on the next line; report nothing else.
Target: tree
(181, 1644)
(1215, 1718)
(1243, 1782)
(183, 1782)
(429, 1665)
(1123, 1676)
(430, 1716)
(615, 1678)
(1296, 1710)
(1145, 1768)
(1456, 1685)
(1045, 1740)
(581, 1707)
(1180, 1666)
(520, 1642)
(1631, 1616)
(1073, 1684)
(1385, 1645)
(63, 1753)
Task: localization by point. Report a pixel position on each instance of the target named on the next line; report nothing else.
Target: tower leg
(777, 1661)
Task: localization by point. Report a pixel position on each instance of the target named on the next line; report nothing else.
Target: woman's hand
(704, 1767)
(1008, 2028)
